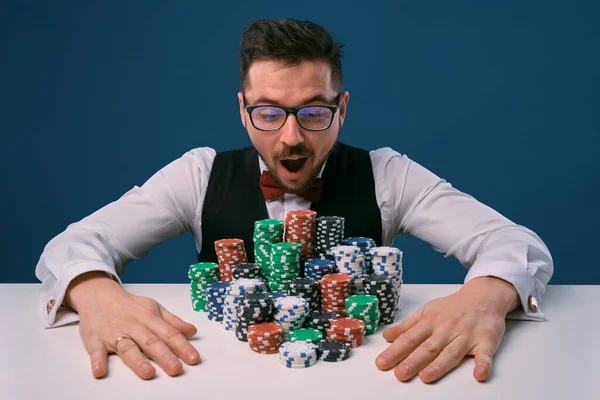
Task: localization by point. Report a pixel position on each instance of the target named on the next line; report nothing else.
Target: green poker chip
(305, 335)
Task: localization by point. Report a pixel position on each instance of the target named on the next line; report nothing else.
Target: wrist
(84, 286)
(493, 293)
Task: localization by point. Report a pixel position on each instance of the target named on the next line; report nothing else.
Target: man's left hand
(436, 338)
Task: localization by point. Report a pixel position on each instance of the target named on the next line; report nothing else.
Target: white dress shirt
(412, 200)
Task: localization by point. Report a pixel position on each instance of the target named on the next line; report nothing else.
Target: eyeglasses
(311, 118)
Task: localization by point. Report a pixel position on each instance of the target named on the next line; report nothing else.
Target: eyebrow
(318, 97)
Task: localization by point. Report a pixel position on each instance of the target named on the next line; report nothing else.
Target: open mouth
(293, 164)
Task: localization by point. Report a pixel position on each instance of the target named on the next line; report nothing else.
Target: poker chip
(266, 233)
(246, 270)
(329, 232)
(285, 265)
(230, 252)
(300, 228)
(350, 260)
(297, 354)
(291, 312)
(366, 308)
(317, 268)
(333, 351)
(365, 245)
(348, 330)
(334, 290)
(388, 261)
(322, 320)
(265, 337)
(381, 287)
(215, 296)
(253, 308)
(305, 335)
(201, 275)
(309, 290)
(311, 294)
(233, 298)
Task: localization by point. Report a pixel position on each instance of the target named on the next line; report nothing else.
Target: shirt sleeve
(167, 205)
(415, 201)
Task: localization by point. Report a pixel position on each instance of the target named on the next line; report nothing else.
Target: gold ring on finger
(118, 340)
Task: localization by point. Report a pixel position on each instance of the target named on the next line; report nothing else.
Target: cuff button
(533, 304)
(49, 305)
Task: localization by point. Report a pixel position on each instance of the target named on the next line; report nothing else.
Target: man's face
(293, 154)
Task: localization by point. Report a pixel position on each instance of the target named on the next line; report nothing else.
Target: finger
(98, 357)
(392, 333)
(187, 329)
(484, 354)
(422, 356)
(154, 347)
(447, 360)
(175, 340)
(132, 357)
(405, 344)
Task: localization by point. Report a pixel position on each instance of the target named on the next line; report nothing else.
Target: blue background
(501, 98)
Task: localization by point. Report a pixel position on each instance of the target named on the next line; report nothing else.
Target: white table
(555, 359)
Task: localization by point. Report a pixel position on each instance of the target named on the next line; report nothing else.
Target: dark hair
(291, 42)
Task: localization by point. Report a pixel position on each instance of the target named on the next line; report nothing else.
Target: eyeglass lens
(273, 118)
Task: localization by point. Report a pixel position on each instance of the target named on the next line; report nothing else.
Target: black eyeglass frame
(294, 111)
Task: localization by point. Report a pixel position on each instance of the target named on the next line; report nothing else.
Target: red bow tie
(272, 191)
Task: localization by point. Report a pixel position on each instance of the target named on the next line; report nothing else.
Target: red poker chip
(262, 351)
(229, 242)
(350, 325)
(266, 329)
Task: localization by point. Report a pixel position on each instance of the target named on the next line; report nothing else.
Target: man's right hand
(107, 312)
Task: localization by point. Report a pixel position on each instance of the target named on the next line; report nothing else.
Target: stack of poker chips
(246, 270)
(348, 330)
(291, 313)
(334, 290)
(305, 335)
(300, 228)
(366, 308)
(201, 275)
(215, 297)
(380, 286)
(365, 244)
(297, 354)
(388, 261)
(309, 290)
(322, 320)
(230, 252)
(333, 351)
(253, 308)
(266, 233)
(285, 265)
(350, 260)
(233, 296)
(266, 337)
(317, 268)
(329, 232)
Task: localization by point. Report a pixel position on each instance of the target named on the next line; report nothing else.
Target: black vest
(234, 199)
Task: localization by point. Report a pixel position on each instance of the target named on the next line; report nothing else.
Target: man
(293, 107)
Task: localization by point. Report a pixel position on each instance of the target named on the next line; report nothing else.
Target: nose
(291, 132)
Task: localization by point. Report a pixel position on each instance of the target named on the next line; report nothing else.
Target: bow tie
(272, 191)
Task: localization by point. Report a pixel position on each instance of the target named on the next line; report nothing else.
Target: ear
(343, 104)
(242, 109)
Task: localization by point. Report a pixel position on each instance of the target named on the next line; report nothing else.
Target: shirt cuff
(54, 313)
(530, 290)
